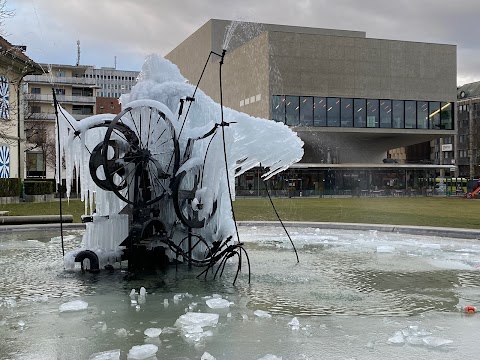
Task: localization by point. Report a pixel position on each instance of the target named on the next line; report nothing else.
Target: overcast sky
(131, 29)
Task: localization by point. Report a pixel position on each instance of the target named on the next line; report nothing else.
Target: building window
(292, 110)
(333, 111)
(35, 109)
(360, 113)
(398, 114)
(446, 118)
(434, 114)
(320, 111)
(35, 165)
(306, 110)
(278, 108)
(385, 113)
(372, 113)
(410, 115)
(59, 91)
(422, 115)
(35, 90)
(346, 112)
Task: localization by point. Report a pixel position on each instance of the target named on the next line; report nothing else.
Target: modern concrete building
(349, 97)
(14, 66)
(112, 82)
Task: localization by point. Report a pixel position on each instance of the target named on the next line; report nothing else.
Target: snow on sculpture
(157, 177)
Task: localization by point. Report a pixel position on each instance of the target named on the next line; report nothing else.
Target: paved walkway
(405, 229)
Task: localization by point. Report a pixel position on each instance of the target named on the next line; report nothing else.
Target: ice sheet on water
(152, 332)
(262, 314)
(218, 303)
(121, 332)
(397, 339)
(198, 319)
(270, 357)
(207, 356)
(76, 305)
(294, 323)
(385, 249)
(139, 352)
(416, 336)
(106, 355)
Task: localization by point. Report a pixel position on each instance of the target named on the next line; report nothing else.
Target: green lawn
(427, 211)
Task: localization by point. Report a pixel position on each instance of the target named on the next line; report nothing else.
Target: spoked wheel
(117, 152)
(139, 164)
(184, 189)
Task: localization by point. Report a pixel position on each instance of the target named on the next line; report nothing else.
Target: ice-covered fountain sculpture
(158, 178)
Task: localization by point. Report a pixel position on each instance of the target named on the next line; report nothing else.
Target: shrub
(10, 187)
(38, 187)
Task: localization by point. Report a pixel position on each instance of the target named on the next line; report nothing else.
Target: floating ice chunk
(133, 293)
(21, 323)
(153, 332)
(200, 319)
(295, 324)
(139, 352)
(270, 357)
(216, 303)
(432, 341)
(216, 296)
(76, 305)
(169, 330)
(414, 340)
(262, 314)
(8, 302)
(121, 332)
(192, 329)
(143, 292)
(106, 355)
(165, 302)
(207, 356)
(385, 249)
(199, 336)
(397, 339)
(40, 298)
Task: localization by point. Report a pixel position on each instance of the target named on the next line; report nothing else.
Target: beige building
(349, 97)
(14, 66)
(74, 92)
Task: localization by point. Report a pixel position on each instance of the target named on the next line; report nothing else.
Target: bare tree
(5, 13)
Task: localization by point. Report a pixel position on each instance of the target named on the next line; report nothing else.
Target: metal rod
(55, 103)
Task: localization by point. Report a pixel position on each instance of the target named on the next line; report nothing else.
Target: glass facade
(362, 113)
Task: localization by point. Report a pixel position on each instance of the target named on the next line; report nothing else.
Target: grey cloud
(132, 28)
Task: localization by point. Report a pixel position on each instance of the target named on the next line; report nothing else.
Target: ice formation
(139, 352)
(218, 303)
(249, 142)
(75, 305)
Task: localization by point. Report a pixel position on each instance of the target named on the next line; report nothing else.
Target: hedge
(39, 187)
(10, 187)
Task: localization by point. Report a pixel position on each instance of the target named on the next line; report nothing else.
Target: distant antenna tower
(115, 63)
(78, 52)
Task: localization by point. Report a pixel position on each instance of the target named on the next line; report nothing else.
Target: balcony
(48, 79)
(71, 99)
(40, 116)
